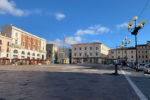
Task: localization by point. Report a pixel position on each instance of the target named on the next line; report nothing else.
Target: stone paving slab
(40, 83)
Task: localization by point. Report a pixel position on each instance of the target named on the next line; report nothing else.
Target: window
(28, 53)
(125, 51)
(7, 55)
(90, 54)
(96, 54)
(29, 43)
(33, 54)
(16, 41)
(145, 56)
(142, 56)
(145, 51)
(7, 43)
(112, 52)
(85, 54)
(15, 51)
(23, 42)
(16, 34)
(74, 54)
(112, 56)
(80, 54)
(23, 52)
(139, 51)
(85, 48)
(74, 48)
(38, 46)
(0, 41)
(80, 48)
(38, 55)
(131, 51)
(118, 51)
(34, 45)
(0, 49)
(139, 56)
(96, 48)
(7, 49)
(142, 51)
(131, 56)
(90, 48)
(119, 57)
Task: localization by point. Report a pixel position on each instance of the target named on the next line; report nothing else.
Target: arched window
(28, 53)
(43, 57)
(15, 51)
(23, 52)
(33, 54)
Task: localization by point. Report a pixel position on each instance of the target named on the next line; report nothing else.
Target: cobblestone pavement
(63, 82)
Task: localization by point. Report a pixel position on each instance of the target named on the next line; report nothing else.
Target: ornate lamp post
(124, 43)
(134, 31)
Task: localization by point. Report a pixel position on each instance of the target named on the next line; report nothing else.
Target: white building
(24, 44)
(89, 53)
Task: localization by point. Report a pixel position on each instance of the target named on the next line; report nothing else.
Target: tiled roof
(124, 48)
(92, 43)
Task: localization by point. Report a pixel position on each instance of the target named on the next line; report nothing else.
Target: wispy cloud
(120, 26)
(93, 30)
(60, 16)
(9, 7)
(60, 43)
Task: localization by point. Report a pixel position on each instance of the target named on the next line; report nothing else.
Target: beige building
(143, 52)
(24, 44)
(52, 51)
(89, 52)
(5, 46)
(127, 53)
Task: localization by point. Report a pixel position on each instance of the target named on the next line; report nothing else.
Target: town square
(74, 50)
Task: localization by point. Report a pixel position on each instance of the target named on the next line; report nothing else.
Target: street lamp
(134, 31)
(124, 43)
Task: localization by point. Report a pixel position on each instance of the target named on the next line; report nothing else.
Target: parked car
(130, 64)
(140, 66)
(146, 68)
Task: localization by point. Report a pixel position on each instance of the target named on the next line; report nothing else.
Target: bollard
(116, 69)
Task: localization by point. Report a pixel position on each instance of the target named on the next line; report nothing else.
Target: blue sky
(80, 20)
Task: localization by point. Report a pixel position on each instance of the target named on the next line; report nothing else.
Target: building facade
(5, 46)
(89, 52)
(52, 51)
(143, 53)
(127, 53)
(24, 44)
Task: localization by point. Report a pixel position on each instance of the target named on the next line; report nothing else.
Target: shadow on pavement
(96, 66)
(38, 85)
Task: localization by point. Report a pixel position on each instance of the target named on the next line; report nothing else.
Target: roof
(124, 48)
(91, 43)
(50, 44)
(142, 45)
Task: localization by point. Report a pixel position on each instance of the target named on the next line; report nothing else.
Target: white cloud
(60, 43)
(123, 25)
(60, 16)
(9, 7)
(74, 40)
(93, 30)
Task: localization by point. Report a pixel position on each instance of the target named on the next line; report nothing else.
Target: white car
(147, 68)
(140, 66)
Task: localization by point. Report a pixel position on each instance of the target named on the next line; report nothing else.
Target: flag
(67, 39)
